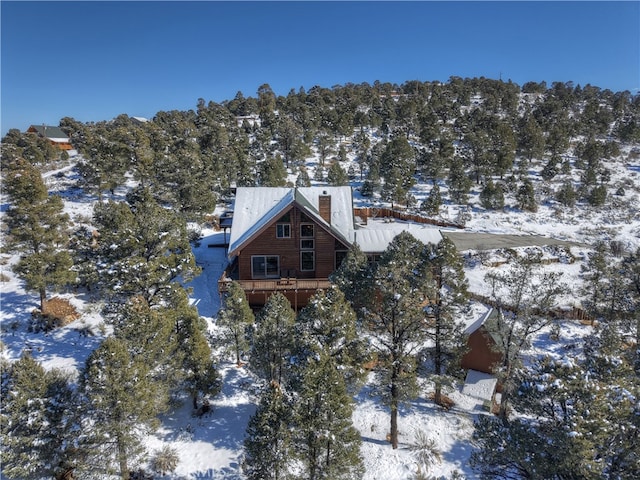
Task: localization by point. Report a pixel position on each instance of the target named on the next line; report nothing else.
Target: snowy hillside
(211, 445)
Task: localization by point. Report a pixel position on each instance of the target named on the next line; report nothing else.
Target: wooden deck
(278, 284)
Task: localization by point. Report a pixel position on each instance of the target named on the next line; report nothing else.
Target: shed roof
(480, 385)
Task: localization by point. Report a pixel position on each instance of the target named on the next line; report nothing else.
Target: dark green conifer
(267, 444)
(236, 318)
(40, 433)
(273, 339)
(125, 401)
(325, 439)
(328, 324)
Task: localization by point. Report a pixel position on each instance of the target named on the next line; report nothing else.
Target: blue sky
(95, 60)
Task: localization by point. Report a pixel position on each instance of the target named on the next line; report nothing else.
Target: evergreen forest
(118, 240)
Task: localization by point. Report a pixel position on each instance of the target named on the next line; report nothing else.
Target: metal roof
(256, 207)
(50, 132)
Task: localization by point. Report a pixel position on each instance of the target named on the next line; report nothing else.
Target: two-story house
(288, 240)
(291, 239)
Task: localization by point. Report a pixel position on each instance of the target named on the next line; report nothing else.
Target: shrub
(165, 460)
(425, 450)
(58, 312)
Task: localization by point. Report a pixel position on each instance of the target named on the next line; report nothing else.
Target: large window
(307, 261)
(307, 244)
(265, 266)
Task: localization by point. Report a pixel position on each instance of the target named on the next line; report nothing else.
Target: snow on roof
(255, 207)
(341, 207)
(251, 208)
(482, 320)
(376, 236)
(478, 322)
(479, 385)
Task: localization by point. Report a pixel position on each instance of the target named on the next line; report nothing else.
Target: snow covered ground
(211, 446)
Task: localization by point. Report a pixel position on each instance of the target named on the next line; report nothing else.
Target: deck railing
(277, 284)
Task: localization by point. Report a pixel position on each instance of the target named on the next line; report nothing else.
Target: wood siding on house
(288, 250)
(481, 354)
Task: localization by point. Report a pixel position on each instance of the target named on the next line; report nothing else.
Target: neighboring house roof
(256, 207)
(52, 133)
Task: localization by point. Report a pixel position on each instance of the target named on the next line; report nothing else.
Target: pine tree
(318, 174)
(124, 404)
(525, 196)
(236, 318)
(40, 431)
(273, 339)
(38, 230)
(328, 323)
(350, 277)
(531, 139)
(597, 195)
(271, 172)
(397, 166)
(459, 182)
(336, 175)
(448, 296)
(566, 195)
(268, 438)
(431, 205)
(395, 317)
(103, 165)
(197, 371)
(325, 438)
(303, 179)
(150, 337)
(143, 247)
(524, 296)
(492, 196)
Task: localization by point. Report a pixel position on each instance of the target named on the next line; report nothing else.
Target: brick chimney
(324, 205)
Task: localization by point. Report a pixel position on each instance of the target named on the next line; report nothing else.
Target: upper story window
(307, 230)
(283, 230)
(283, 226)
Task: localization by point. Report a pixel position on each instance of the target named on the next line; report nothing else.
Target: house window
(286, 218)
(306, 230)
(304, 218)
(265, 266)
(340, 256)
(283, 230)
(307, 261)
(307, 244)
